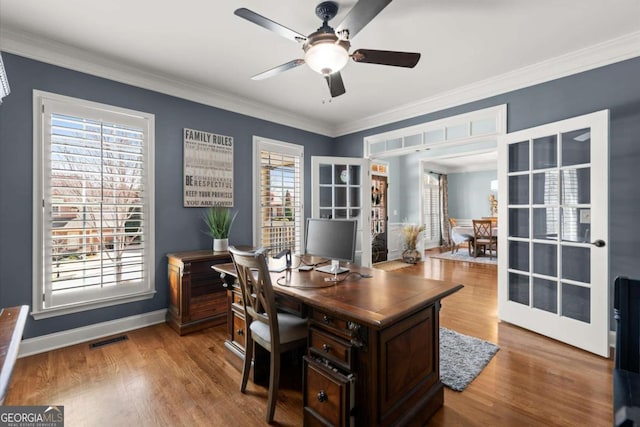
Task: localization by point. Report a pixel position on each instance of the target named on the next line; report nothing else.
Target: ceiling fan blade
(269, 24)
(360, 15)
(336, 86)
(386, 57)
(279, 69)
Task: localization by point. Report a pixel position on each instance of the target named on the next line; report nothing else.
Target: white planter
(220, 245)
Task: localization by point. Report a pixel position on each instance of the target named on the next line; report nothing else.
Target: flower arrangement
(411, 233)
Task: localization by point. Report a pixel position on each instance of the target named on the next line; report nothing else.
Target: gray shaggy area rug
(462, 358)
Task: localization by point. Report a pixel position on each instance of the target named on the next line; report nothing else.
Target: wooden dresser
(197, 297)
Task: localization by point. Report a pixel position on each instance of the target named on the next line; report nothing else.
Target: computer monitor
(334, 239)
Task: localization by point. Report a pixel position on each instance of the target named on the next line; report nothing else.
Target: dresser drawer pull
(322, 396)
(240, 332)
(326, 348)
(326, 319)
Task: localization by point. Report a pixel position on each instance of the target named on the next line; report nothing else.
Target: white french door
(340, 189)
(553, 265)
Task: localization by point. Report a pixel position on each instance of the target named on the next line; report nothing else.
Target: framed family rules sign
(208, 169)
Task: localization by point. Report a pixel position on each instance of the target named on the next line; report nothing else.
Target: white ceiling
(200, 50)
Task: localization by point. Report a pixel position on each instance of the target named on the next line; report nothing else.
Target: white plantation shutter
(95, 215)
(280, 196)
(431, 210)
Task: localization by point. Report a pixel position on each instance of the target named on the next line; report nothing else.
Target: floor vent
(108, 341)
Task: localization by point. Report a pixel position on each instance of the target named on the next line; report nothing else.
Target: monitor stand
(333, 268)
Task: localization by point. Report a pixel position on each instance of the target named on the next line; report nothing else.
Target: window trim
(259, 144)
(118, 296)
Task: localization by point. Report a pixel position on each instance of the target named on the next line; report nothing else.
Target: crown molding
(598, 55)
(76, 59)
(605, 53)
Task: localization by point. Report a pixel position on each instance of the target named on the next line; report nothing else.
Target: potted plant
(411, 233)
(219, 221)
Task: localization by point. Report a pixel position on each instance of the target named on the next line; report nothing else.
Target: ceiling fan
(327, 50)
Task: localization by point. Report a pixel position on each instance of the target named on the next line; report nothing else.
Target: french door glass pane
(545, 295)
(519, 222)
(576, 263)
(545, 223)
(519, 190)
(354, 173)
(325, 175)
(576, 147)
(545, 259)
(519, 288)
(519, 157)
(325, 195)
(340, 197)
(326, 213)
(576, 185)
(519, 255)
(576, 302)
(545, 188)
(340, 214)
(573, 229)
(545, 152)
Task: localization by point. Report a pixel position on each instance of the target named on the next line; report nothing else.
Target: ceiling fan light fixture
(326, 58)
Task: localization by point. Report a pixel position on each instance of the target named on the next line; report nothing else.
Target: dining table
(464, 233)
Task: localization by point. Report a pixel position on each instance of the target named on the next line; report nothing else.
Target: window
(278, 195)
(93, 205)
(431, 209)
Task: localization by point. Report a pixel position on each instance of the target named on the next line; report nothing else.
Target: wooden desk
(12, 322)
(373, 349)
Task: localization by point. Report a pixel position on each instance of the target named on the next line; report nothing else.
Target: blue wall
(469, 194)
(177, 228)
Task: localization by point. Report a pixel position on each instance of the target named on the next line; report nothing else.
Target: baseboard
(56, 340)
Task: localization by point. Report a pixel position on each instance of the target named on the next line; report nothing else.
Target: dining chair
(275, 332)
(456, 239)
(483, 237)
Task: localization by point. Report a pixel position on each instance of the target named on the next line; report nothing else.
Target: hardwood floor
(157, 378)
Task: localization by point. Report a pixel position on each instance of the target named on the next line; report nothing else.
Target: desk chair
(483, 237)
(275, 332)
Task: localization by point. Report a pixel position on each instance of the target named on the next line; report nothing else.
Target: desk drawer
(237, 299)
(290, 305)
(329, 322)
(331, 347)
(327, 396)
(239, 330)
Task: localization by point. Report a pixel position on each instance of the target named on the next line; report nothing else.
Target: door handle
(599, 243)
